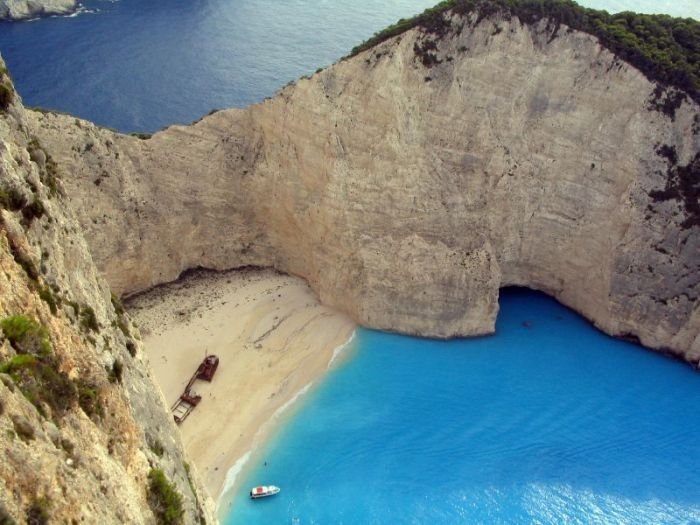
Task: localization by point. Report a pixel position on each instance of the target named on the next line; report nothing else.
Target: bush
(117, 304)
(115, 374)
(17, 363)
(88, 319)
(156, 447)
(34, 210)
(12, 199)
(5, 518)
(38, 512)
(7, 94)
(41, 382)
(35, 370)
(26, 335)
(50, 298)
(89, 400)
(24, 260)
(165, 501)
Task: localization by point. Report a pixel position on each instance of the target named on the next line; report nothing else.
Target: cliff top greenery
(664, 48)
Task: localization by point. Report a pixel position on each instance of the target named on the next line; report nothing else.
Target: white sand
(272, 336)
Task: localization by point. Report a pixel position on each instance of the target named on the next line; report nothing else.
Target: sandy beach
(273, 339)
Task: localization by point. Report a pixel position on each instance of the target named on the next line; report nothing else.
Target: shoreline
(225, 498)
(274, 341)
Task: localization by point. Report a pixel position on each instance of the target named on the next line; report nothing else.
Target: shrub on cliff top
(164, 499)
(664, 48)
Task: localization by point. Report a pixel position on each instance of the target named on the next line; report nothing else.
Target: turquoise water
(549, 421)
(139, 65)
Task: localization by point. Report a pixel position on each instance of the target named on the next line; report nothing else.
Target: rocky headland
(85, 433)
(25, 9)
(409, 183)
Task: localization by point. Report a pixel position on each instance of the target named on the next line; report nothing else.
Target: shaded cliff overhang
(664, 48)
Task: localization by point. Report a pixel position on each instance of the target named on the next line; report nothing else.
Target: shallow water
(139, 65)
(549, 421)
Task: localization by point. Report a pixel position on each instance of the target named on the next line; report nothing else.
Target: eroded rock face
(408, 195)
(82, 422)
(22, 9)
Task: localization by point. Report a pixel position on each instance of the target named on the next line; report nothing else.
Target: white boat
(263, 491)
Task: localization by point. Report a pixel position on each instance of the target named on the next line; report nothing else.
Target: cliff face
(411, 182)
(84, 431)
(22, 9)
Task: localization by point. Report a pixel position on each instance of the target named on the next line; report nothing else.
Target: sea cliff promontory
(85, 434)
(410, 182)
(25, 9)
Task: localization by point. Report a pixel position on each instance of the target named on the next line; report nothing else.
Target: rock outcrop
(85, 435)
(24, 9)
(409, 183)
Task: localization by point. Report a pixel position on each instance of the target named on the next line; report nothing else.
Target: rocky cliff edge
(85, 435)
(411, 182)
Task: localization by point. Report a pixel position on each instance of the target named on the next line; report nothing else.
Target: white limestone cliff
(409, 195)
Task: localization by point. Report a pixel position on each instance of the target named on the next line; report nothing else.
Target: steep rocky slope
(22, 9)
(409, 183)
(85, 436)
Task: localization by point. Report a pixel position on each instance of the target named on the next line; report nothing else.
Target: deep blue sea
(140, 65)
(549, 421)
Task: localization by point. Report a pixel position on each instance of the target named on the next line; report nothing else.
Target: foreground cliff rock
(409, 183)
(85, 436)
(23, 9)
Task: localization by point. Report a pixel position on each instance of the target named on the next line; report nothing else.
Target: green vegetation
(52, 299)
(89, 399)
(121, 321)
(88, 319)
(664, 48)
(5, 518)
(142, 136)
(35, 370)
(115, 374)
(164, 499)
(12, 199)
(34, 210)
(24, 260)
(117, 304)
(7, 90)
(156, 446)
(26, 335)
(38, 512)
(17, 363)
